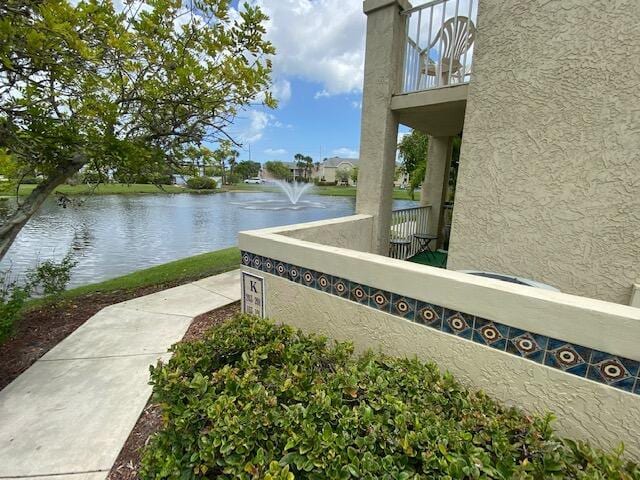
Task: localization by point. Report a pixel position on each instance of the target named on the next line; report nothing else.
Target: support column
(386, 36)
(434, 186)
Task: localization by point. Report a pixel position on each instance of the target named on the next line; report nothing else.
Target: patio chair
(455, 37)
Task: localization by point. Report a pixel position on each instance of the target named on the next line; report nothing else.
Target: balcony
(440, 42)
(438, 63)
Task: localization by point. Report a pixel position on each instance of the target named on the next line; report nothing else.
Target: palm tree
(233, 160)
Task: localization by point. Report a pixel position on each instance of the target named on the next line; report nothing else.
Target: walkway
(68, 416)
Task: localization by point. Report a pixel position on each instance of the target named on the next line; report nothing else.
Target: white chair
(455, 38)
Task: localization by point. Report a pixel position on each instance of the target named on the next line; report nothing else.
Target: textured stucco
(379, 132)
(549, 179)
(585, 409)
(354, 232)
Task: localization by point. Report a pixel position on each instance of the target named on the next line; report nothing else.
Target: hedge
(201, 183)
(255, 400)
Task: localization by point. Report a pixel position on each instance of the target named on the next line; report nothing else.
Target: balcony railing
(405, 223)
(440, 42)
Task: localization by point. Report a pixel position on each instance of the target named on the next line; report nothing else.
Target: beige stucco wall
(353, 232)
(585, 409)
(549, 180)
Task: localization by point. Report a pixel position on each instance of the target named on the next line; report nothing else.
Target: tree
(413, 150)
(278, 170)
(82, 83)
(248, 169)
(343, 174)
(304, 163)
(354, 175)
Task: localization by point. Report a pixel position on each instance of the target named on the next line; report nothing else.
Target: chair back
(457, 36)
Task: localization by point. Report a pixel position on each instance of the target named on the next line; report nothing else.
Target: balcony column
(434, 187)
(386, 37)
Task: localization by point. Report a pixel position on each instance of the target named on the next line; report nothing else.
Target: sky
(317, 79)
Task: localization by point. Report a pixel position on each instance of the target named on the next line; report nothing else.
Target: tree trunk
(11, 227)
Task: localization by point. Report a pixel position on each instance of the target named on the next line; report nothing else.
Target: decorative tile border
(601, 367)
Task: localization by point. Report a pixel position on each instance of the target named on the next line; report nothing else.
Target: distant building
(330, 166)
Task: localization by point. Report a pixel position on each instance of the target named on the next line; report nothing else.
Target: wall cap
(370, 6)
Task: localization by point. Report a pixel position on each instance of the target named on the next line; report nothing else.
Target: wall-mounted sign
(252, 294)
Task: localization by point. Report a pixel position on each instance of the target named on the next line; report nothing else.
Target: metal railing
(440, 42)
(404, 224)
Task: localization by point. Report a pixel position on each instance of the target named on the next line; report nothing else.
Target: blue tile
(340, 287)
(570, 358)
(359, 293)
(308, 278)
(621, 379)
(247, 258)
(490, 333)
(295, 273)
(527, 345)
(324, 282)
(256, 262)
(380, 300)
(403, 307)
(637, 388)
(457, 323)
(600, 358)
(280, 269)
(429, 315)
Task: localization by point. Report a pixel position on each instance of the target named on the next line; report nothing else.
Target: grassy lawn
(106, 189)
(179, 271)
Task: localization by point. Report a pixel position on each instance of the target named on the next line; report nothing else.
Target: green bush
(255, 400)
(201, 183)
(48, 278)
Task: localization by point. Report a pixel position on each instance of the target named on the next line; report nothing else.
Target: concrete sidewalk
(68, 416)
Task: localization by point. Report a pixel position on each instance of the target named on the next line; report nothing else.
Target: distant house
(296, 172)
(330, 166)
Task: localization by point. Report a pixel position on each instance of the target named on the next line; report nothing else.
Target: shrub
(322, 183)
(12, 299)
(255, 400)
(201, 183)
(48, 278)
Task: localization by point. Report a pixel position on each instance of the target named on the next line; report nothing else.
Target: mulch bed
(128, 462)
(42, 329)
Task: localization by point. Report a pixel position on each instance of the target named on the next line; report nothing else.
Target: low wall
(535, 349)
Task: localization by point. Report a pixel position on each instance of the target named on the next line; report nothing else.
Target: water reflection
(112, 235)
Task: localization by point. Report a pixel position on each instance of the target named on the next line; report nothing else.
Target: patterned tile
(527, 345)
(268, 265)
(308, 278)
(295, 273)
(567, 357)
(429, 315)
(489, 333)
(403, 307)
(281, 269)
(380, 300)
(340, 287)
(611, 370)
(614, 371)
(323, 282)
(359, 293)
(457, 323)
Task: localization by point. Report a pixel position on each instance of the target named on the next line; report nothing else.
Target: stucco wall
(585, 409)
(549, 179)
(353, 232)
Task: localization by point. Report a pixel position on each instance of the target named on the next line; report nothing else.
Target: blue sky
(317, 78)
(318, 74)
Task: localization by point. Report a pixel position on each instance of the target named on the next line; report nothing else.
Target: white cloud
(357, 104)
(275, 152)
(321, 94)
(318, 40)
(258, 122)
(282, 90)
(346, 153)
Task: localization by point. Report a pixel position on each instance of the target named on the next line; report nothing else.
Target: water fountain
(293, 192)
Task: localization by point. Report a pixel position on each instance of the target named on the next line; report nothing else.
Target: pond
(112, 235)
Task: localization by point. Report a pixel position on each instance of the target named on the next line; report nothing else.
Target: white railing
(405, 224)
(440, 42)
